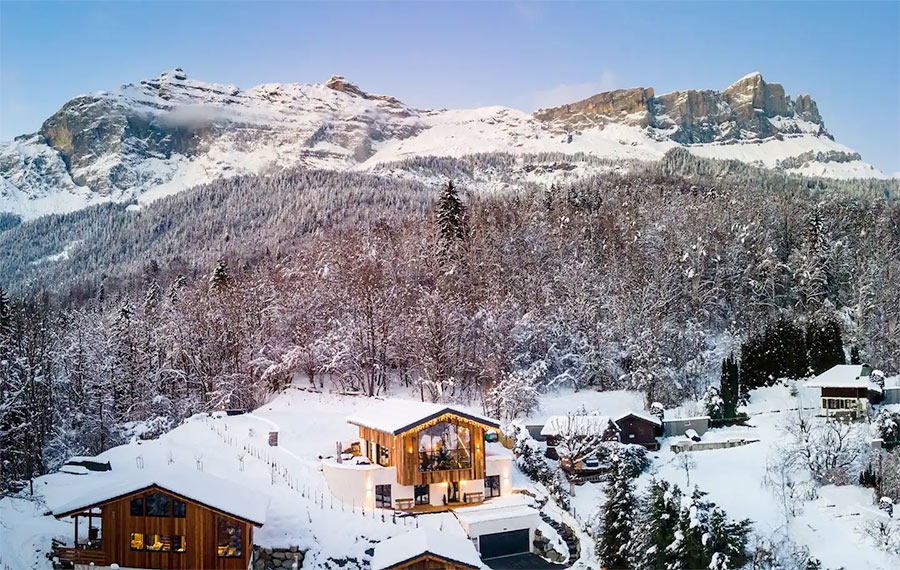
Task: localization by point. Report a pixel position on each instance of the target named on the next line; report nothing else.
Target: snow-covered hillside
(163, 135)
(303, 513)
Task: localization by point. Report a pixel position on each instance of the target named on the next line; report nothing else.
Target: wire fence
(316, 493)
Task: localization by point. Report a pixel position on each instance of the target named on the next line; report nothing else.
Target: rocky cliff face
(172, 132)
(749, 109)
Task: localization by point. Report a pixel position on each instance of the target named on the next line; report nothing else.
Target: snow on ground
(303, 513)
(733, 477)
(613, 404)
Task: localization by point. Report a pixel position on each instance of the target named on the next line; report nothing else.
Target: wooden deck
(428, 509)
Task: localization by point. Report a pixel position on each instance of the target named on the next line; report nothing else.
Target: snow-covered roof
(513, 508)
(844, 376)
(214, 492)
(644, 416)
(586, 425)
(411, 545)
(398, 416)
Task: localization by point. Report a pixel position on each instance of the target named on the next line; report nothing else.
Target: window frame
(420, 498)
(489, 489)
(382, 499)
(225, 522)
(147, 503)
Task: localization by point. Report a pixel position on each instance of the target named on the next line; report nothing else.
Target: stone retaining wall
(273, 558)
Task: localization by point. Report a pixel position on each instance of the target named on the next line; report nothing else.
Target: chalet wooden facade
(640, 429)
(847, 390)
(422, 453)
(156, 526)
(417, 456)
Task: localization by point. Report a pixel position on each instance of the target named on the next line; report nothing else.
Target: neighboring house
(640, 429)
(847, 390)
(168, 519)
(680, 426)
(576, 439)
(423, 549)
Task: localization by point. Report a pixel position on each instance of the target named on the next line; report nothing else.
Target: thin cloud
(571, 92)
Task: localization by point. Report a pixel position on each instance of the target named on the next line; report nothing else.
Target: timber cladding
(404, 452)
(199, 527)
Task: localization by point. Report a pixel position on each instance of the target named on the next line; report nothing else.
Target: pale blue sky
(520, 54)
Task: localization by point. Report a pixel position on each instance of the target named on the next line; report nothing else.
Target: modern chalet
(168, 519)
(421, 457)
(847, 390)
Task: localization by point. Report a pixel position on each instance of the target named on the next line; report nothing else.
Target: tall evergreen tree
(617, 544)
(730, 390)
(451, 217)
(657, 529)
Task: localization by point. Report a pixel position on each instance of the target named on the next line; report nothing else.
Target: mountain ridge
(172, 132)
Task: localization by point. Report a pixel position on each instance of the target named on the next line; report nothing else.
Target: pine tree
(657, 529)
(730, 390)
(617, 545)
(451, 217)
(220, 277)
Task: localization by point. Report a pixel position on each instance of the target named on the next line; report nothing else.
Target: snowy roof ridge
(844, 376)
(215, 492)
(644, 416)
(413, 544)
(581, 424)
(398, 416)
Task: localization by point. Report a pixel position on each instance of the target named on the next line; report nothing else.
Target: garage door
(504, 543)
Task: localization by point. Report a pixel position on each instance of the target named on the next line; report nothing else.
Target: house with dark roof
(640, 429)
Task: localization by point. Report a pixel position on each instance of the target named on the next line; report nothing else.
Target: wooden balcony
(82, 556)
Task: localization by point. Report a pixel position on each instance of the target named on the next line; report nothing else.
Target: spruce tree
(451, 217)
(730, 390)
(617, 545)
(220, 277)
(657, 531)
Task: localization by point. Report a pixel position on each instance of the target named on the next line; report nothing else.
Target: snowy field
(302, 512)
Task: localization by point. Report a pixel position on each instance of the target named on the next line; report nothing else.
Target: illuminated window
(158, 505)
(178, 544)
(444, 446)
(179, 509)
(229, 538)
(158, 542)
(137, 541)
(137, 507)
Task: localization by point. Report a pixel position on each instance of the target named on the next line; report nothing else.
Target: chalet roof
(649, 418)
(844, 376)
(214, 492)
(414, 544)
(398, 416)
(587, 425)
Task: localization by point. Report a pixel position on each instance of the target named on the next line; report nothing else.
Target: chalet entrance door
(453, 492)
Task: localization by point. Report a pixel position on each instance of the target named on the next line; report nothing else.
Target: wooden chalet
(847, 390)
(171, 520)
(423, 549)
(640, 429)
(428, 444)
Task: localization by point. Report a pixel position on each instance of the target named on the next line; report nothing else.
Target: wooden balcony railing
(82, 556)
